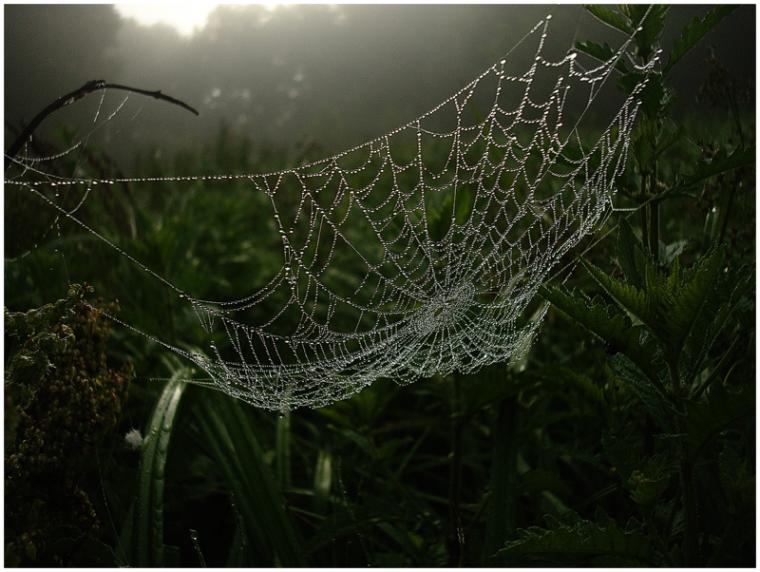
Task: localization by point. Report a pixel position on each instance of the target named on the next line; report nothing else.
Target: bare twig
(86, 89)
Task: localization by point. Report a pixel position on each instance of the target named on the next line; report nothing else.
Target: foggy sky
(330, 75)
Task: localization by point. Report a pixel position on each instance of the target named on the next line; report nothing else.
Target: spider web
(416, 253)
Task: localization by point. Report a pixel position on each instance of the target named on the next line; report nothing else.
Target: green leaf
(648, 483)
(601, 52)
(585, 542)
(612, 326)
(721, 410)
(238, 556)
(322, 480)
(720, 163)
(229, 433)
(535, 481)
(652, 395)
(465, 199)
(502, 506)
(610, 17)
(733, 293)
(688, 299)
(694, 32)
(282, 450)
(667, 305)
(629, 254)
(651, 20)
(148, 527)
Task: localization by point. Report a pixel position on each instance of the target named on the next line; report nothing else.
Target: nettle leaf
(688, 298)
(652, 395)
(732, 293)
(669, 134)
(737, 477)
(601, 52)
(626, 295)
(721, 410)
(649, 482)
(623, 449)
(667, 304)
(613, 327)
(655, 96)
(643, 142)
(694, 32)
(651, 20)
(720, 163)
(584, 542)
(630, 255)
(611, 17)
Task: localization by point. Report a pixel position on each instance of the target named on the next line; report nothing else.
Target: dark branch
(76, 95)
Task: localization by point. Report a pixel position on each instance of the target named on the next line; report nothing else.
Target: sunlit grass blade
(148, 525)
(230, 436)
(322, 481)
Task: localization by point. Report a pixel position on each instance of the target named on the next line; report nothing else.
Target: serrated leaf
(611, 326)
(651, 395)
(720, 163)
(688, 299)
(601, 52)
(651, 20)
(629, 254)
(647, 483)
(719, 411)
(694, 31)
(611, 17)
(582, 543)
(667, 304)
(732, 293)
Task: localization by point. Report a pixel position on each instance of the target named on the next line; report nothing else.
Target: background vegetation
(625, 437)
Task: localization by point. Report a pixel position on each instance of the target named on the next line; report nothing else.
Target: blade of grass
(282, 450)
(231, 437)
(322, 481)
(148, 525)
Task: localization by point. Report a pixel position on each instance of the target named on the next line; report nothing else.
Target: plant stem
(455, 541)
(282, 448)
(729, 206)
(654, 229)
(690, 508)
(643, 221)
(502, 511)
(686, 470)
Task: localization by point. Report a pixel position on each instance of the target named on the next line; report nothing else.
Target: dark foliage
(625, 437)
(61, 399)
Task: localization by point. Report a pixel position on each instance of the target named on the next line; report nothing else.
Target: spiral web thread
(454, 219)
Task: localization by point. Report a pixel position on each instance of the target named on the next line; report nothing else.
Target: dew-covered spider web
(416, 253)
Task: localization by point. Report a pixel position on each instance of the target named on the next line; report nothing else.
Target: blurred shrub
(61, 398)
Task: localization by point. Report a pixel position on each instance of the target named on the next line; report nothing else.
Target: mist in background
(331, 76)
